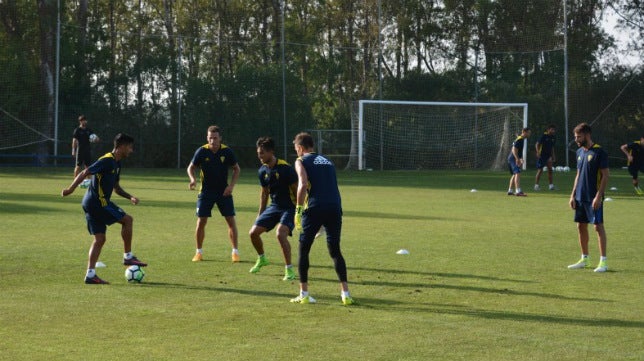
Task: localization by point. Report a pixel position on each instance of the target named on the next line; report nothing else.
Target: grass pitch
(485, 279)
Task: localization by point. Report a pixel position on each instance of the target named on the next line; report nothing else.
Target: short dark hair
(304, 139)
(214, 129)
(266, 143)
(122, 139)
(81, 117)
(551, 126)
(526, 129)
(583, 128)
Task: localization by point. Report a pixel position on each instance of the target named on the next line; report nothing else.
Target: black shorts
(84, 158)
(634, 170)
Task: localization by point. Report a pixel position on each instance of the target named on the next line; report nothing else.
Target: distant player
(278, 181)
(635, 156)
(318, 204)
(214, 159)
(587, 197)
(545, 156)
(81, 150)
(100, 212)
(515, 161)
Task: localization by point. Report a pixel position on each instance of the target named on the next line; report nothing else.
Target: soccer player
(100, 211)
(587, 195)
(545, 156)
(515, 161)
(635, 156)
(317, 204)
(81, 149)
(278, 180)
(214, 159)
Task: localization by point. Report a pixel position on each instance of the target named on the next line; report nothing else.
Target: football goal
(406, 135)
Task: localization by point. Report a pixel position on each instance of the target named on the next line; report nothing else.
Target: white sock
(518, 190)
(602, 258)
(127, 255)
(584, 256)
(200, 250)
(304, 293)
(90, 273)
(509, 190)
(235, 251)
(289, 266)
(345, 294)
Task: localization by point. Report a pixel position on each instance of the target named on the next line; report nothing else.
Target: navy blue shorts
(542, 162)
(634, 170)
(513, 167)
(584, 213)
(206, 201)
(273, 215)
(99, 218)
(314, 218)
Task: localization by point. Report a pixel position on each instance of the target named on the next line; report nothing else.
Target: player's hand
(134, 200)
(298, 218)
(66, 192)
(228, 191)
(572, 203)
(192, 185)
(597, 202)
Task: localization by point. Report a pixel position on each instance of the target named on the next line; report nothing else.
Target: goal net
(407, 135)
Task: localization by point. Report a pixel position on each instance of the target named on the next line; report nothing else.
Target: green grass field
(485, 279)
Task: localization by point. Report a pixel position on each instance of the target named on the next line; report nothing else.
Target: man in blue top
(587, 195)
(515, 161)
(317, 204)
(100, 212)
(634, 152)
(279, 181)
(545, 156)
(214, 159)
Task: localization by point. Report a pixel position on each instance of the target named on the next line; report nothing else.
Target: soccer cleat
(303, 300)
(198, 257)
(639, 191)
(95, 281)
(552, 187)
(537, 188)
(347, 301)
(601, 267)
(289, 274)
(582, 263)
(261, 262)
(133, 262)
(521, 194)
(510, 193)
(234, 257)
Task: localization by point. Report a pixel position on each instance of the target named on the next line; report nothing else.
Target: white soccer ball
(566, 169)
(93, 138)
(134, 274)
(558, 169)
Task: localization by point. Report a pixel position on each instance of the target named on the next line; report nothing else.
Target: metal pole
(565, 31)
(179, 105)
(380, 85)
(57, 84)
(283, 76)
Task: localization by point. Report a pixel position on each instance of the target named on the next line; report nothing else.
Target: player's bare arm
(191, 175)
(78, 180)
(121, 192)
(236, 171)
(302, 184)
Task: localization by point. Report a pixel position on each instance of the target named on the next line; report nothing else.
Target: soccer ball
(93, 138)
(134, 274)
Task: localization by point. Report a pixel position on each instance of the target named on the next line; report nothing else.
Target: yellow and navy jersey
(323, 184)
(589, 164)
(278, 180)
(546, 144)
(518, 143)
(635, 150)
(213, 171)
(107, 172)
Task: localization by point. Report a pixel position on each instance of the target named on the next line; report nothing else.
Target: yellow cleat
(235, 257)
(197, 258)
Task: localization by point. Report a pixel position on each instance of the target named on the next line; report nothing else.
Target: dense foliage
(165, 69)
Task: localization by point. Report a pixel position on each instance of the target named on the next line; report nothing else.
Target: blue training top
(213, 171)
(323, 183)
(519, 144)
(107, 172)
(546, 143)
(278, 180)
(589, 164)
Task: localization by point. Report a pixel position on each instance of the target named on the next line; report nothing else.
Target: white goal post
(395, 134)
